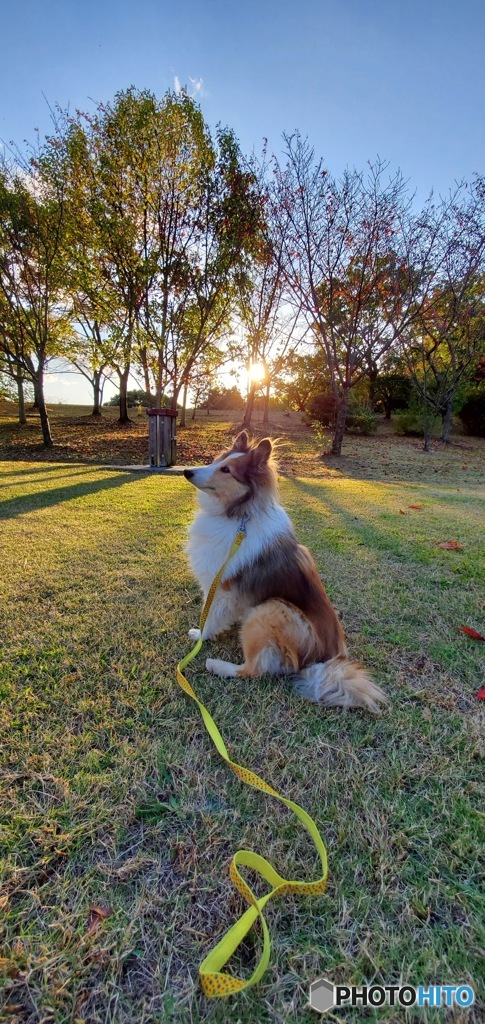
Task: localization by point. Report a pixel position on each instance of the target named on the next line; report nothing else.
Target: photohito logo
(324, 995)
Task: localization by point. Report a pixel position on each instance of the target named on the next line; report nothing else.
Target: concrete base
(169, 470)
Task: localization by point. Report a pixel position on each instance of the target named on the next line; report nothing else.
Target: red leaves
(481, 693)
(401, 513)
(472, 632)
(450, 545)
(415, 506)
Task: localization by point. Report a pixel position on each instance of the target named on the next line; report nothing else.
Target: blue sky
(361, 78)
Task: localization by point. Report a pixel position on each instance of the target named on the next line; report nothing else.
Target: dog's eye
(224, 469)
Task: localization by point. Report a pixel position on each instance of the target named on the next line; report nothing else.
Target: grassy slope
(96, 736)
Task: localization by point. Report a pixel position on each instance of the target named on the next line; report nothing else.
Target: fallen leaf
(415, 506)
(451, 545)
(472, 632)
(401, 513)
(481, 693)
(464, 467)
(97, 914)
(3, 902)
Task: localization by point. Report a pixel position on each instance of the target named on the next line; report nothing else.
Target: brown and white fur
(271, 584)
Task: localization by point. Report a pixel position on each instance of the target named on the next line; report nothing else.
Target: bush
(472, 412)
(133, 398)
(411, 422)
(362, 421)
(321, 408)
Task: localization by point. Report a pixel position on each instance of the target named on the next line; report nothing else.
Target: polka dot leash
(215, 982)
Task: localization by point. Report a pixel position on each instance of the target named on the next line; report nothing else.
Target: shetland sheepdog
(271, 584)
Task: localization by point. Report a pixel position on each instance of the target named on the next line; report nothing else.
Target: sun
(257, 372)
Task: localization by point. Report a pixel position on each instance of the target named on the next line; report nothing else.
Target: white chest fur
(212, 534)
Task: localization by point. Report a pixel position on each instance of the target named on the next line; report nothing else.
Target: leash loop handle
(215, 982)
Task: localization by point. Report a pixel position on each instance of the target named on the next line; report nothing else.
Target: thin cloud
(197, 87)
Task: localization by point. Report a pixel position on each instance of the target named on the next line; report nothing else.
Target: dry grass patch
(112, 797)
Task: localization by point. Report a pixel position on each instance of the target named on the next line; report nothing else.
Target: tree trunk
(373, 378)
(146, 375)
(266, 403)
(447, 418)
(159, 381)
(41, 406)
(248, 412)
(21, 399)
(124, 418)
(341, 418)
(387, 407)
(184, 406)
(428, 428)
(96, 393)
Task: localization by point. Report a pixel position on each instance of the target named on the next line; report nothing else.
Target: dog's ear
(241, 442)
(262, 452)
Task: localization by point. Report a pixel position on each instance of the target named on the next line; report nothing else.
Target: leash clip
(242, 525)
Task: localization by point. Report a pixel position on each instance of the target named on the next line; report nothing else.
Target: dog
(271, 584)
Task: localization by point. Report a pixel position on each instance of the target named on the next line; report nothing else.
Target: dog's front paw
(221, 668)
(194, 634)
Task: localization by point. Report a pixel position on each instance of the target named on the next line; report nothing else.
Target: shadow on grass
(365, 533)
(46, 499)
(61, 470)
(56, 467)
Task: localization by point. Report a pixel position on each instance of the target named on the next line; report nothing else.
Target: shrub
(362, 421)
(472, 412)
(321, 408)
(411, 422)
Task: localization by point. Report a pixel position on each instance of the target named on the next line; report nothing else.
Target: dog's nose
(188, 474)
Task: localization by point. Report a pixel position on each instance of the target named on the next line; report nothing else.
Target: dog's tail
(340, 683)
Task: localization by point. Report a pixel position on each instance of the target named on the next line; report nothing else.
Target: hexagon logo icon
(322, 995)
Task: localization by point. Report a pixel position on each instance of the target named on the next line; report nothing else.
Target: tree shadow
(54, 467)
(366, 532)
(60, 469)
(22, 504)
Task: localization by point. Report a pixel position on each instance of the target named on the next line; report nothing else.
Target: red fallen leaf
(401, 513)
(97, 914)
(464, 467)
(472, 632)
(415, 506)
(481, 693)
(451, 545)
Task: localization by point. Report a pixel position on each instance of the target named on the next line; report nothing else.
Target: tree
(268, 319)
(446, 338)
(300, 379)
(163, 220)
(91, 355)
(223, 244)
(34, 323)
(360, 262)
(393, 390)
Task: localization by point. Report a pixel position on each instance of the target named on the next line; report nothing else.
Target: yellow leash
(214, 981)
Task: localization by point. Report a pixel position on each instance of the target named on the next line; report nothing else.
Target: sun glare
(256, 372)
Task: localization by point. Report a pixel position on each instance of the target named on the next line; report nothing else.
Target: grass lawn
(113, 798)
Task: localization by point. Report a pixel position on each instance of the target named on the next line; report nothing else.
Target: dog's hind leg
(270, 637)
